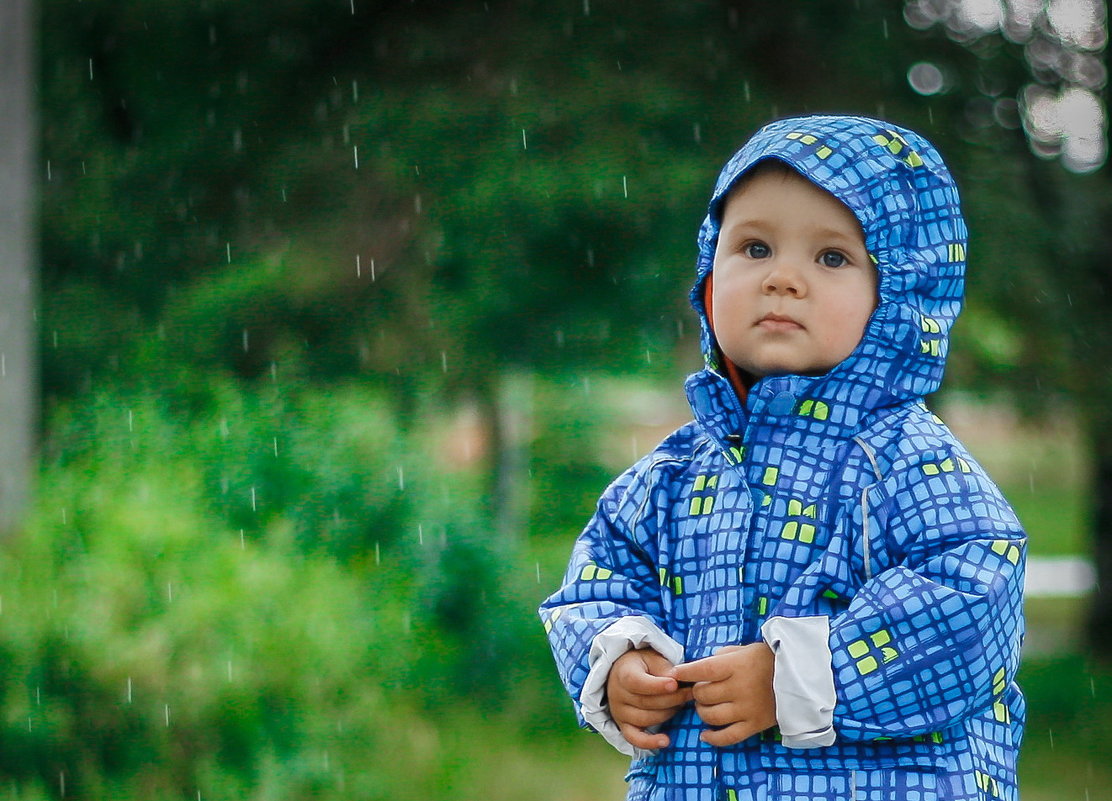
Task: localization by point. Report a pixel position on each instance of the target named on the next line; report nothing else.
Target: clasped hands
(732, 692)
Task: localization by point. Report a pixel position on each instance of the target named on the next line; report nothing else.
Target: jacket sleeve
(931, 560)
(933, 635)
(612, 583)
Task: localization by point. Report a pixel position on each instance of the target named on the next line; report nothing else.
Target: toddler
(812, 591)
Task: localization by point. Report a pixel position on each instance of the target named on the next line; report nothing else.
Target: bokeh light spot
(926, 78)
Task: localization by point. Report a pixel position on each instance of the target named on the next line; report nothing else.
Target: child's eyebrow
(857, 237)
(757, 223)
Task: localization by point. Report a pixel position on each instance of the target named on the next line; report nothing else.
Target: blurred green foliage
(286, 246)
(248, 593)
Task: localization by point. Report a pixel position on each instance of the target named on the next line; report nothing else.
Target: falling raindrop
(355, 150)
(129, 689)
(90, 69)
(625, 187)
(246, 345)
(443, 361)
(884, 27)
(420, 534)
(62, 775)
(228, 251)
(242, 541)
(48, 174)
(253, 508)
(524, 141)
(275, 447)
(538, 571)
(130, 421)
(1050, 732)
(63, 515)
(354, 86)
(378, 554)
(698, 134)
(358, 267)
(745, 90)
(166, 708)
(170, 591)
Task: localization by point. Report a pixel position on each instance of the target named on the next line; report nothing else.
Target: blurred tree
(1040, 96)
(250, 205)
(18, 373)
(446, 197)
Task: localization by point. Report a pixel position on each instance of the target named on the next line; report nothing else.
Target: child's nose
(784, 277)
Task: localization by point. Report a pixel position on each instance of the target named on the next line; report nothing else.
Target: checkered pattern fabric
(839, 495)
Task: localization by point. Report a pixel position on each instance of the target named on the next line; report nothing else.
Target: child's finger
(661, 701)
(714, 692)
(734, 733)
(638, 717)
(643, 683)
(639, 738)
(712, 668)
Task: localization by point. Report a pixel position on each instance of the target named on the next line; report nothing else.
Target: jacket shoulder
(909, 437)
(929, 480)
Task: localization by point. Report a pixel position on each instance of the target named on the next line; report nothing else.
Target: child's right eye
(757, 250)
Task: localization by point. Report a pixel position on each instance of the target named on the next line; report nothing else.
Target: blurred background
(325, 322)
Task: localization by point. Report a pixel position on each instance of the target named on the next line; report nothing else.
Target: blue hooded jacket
(835, 517)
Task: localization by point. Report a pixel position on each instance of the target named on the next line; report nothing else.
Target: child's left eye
(833, 258)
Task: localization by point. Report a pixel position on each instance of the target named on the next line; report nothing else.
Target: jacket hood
(901, 192)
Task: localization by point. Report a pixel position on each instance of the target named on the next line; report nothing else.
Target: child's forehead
(770, 173)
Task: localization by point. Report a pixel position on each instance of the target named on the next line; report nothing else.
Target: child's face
(793, 283)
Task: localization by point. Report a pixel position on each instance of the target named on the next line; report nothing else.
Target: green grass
(1066, 754)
